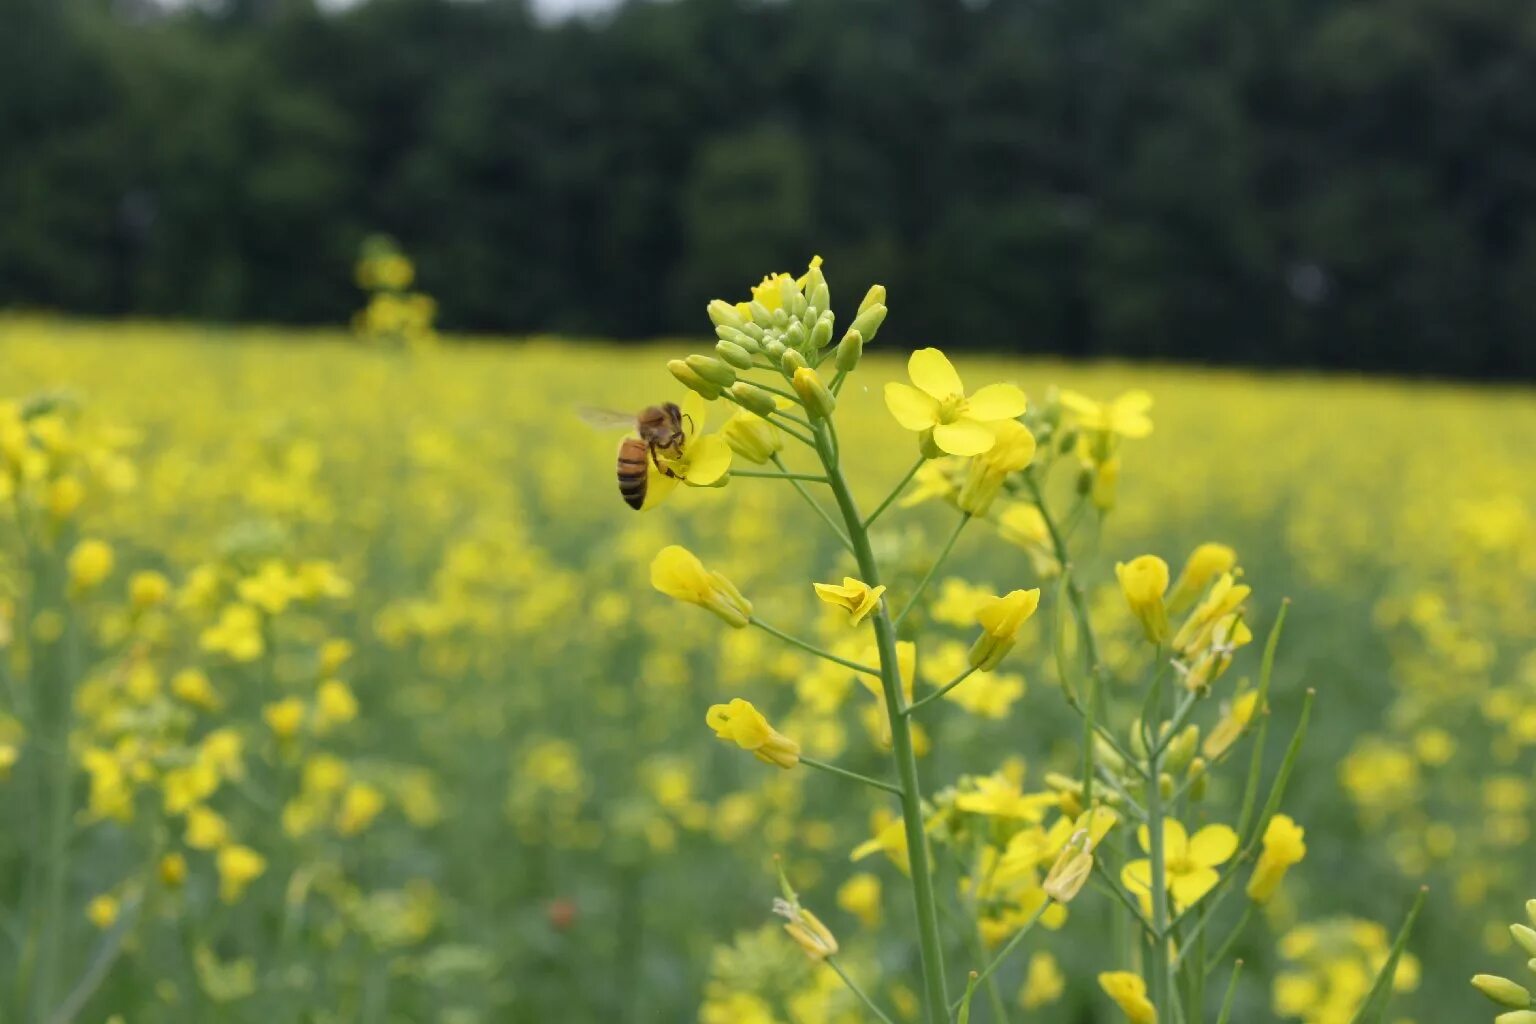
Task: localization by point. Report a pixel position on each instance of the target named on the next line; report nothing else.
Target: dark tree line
(1301, 182)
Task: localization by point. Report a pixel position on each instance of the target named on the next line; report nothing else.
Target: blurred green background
(1296, 182)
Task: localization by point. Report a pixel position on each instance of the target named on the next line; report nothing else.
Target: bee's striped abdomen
(634, 471)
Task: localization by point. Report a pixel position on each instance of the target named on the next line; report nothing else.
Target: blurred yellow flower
(1284, 847)
(102, 911)
(860, 896)
(238, 867)
(90, 563)
(1125, 416)
(1130, 994)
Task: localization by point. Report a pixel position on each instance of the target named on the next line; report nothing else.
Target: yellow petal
(963, 437)
(708, 459)
(1077, 402)
(1137, 876)
(1190, 886)
(657, 486)
(695, 410)
(932, 371)
(996, 402)
(912, 409)
(1175, 841)
(1212, 845)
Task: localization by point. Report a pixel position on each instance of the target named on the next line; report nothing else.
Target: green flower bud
(712, 370)
(795, 337)
(1502, 991)
(1181, 750)
(739, 338)
(1530, 911)
(849, 350)
(773, 348)
(691, 380)
(874, 297)
(734, 354)
(818, 401)
(1516, 1017)
(753, 398)
(1165, 785)
(1137, 743)
(792, 361)
(1067, 441)
(723, 314)
(760, 314)
(869, 320)
(1197, 778)
(779, 318)
(1526, 937)
(1108, 756)
(752, 331)
(821, 333)
(752, 437)
(818, 294)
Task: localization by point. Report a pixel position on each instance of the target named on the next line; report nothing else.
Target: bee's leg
(660, 468)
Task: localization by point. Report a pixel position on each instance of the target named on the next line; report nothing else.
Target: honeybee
(660, 433)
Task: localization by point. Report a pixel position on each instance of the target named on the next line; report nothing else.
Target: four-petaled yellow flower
(677, 572)
(1001, 619)
(1013, 451)
(1189, 862)
(742, 724)
(1284, 846)
(1130, 994)
(1125, 416)
(703, 461)
(855, 597)
(960, 423)
(1143, 581)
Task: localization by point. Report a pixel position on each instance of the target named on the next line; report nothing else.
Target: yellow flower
(1231, 726)
(1225, 599)
(1014, 450)
(752, 437)
(1125, 416)
(1205, 563)
(1143, 581)
(855, 597)
(1130, 994)
(270, 589)
(890, 838)
(90, 563)
(806, 929)
(173, 870)
(1075, 862)
(335, 704)
(238, 867)
(236, 634)
(1283, 847)
(677, 572)
(284, 717)
(192, 685)
(1000, 796)
(742, 724)
(360, 804)
(960, 424)
(1227, 634)
(1189, 862)
(205, 829)
(102, 911)
(860, 896)
(1000, 619)
(702, 462)
(1043, 982)
(147, 589)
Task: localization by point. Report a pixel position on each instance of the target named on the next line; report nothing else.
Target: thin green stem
(929, 940)
(833, 769)
(1207, 966)
(1231, 996)
(826, 517)
(812, 477)
(901, 485)
(941, 691)
(1161, 981)
(1106, 882)
(949, 545)
(791, 431)
(1009, 946)
(869, 1003)
(813, 649)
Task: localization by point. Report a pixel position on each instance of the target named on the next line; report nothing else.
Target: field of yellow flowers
(334, 687)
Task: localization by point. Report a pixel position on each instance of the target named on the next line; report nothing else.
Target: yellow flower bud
(1516, 1017)
(1502, 991)
(791, 361)
(752, 437)
(677, 572)
(753, 398)
(1205, 563)
(849, 351)
(818, 401)
(1181, 749)
(1130, 994)
(1012, 451)
(874, 297)
(723, 314)
(90, 563)
(821, 333)
(1000, 619)
(742, 724)
(1525, 937)
(868, 322)
(1284, 847)
(1143, 581)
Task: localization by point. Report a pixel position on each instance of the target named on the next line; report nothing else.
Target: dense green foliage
(1281, 181)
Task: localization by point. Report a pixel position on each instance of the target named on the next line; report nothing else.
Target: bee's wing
(606, 419)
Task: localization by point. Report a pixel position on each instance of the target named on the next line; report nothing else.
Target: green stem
(826, 517)
(1231, 996)
(1160, 982)
(833, 769)
(813, 649)
(869, 1003)
(791, 431)
(1207, 966)
(941, 691)
(933, 569)
(779, 476)
(895, 491)
(929, 940)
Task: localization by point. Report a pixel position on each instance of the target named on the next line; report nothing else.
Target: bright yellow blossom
(677, 572)
(1130, 994)
(1001, 619)
(90, 563)
(1205, 563)
(1143, 581)
(1044, 983)
(1284, 847)
(1189, 862)
(855, 597)
(960, 425)
(285, 717)
(742, 724)
(238, 867)
(703, 461)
